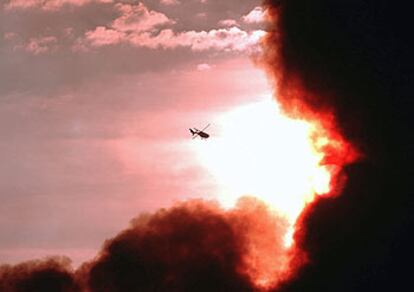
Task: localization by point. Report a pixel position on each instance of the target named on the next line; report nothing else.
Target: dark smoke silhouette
(353, 59)
(193, 246)
(38, 276)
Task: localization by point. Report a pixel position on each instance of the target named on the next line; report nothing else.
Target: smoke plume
(52, 274)
(193, 246)
(347, 63)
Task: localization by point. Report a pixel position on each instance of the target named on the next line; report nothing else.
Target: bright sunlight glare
(254, 150)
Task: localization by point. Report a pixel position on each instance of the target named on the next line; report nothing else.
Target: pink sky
(96, 97)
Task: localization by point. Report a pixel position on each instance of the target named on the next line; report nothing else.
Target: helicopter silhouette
(199, 133)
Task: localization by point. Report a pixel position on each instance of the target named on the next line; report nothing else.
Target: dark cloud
(352, 59)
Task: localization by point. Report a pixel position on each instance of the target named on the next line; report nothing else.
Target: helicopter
(200, 133)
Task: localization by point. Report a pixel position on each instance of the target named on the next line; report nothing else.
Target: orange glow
(255, 150)
(260, 152)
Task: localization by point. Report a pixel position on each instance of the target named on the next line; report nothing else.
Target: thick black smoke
(38, 276)
(354, 58)
(188, 248)
(193, 246)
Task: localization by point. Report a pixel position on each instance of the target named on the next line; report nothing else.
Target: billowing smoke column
(194, 246)
(346, 63)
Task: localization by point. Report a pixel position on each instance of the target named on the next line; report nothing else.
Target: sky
(97, 163)
(96, 98)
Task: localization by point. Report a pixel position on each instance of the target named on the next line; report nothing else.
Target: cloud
(48, 4)
(232, 39)
(131, 25)
(257, 15)
(134, 20)
(203, 67)
(8, 36)
(39, 45)
(102, 36)
(136, 23)
(170, 2)
(34, 45)
(138, 18)
(225, 39)
(228, 22)
(139, 27)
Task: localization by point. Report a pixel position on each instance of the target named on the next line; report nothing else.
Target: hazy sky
(96, 97)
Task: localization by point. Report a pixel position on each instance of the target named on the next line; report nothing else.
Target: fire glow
(264, 154)
(257, 151)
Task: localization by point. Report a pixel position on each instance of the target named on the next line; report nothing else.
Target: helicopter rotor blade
(205, 127)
